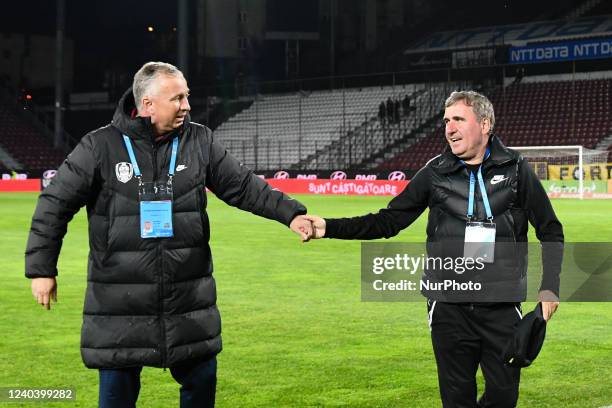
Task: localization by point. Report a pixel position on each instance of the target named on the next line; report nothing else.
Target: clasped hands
(308, 227)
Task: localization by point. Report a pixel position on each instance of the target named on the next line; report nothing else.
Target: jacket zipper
(154, 161)
(162, 325)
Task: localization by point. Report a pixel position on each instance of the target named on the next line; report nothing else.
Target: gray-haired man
(151, 296)
(466, 335)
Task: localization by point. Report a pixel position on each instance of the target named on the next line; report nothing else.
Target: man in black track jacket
(465, 335)
(151, 297)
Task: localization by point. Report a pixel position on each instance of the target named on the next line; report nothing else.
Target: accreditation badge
(155, 210)
(480, 241)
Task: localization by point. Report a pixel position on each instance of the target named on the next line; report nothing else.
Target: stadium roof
(513, 34)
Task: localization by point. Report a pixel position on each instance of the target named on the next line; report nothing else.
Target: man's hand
(318, 226)
(302, 226)
(44, 290)
(550, 303)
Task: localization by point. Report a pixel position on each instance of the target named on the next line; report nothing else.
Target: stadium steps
(398, 145)
(354, 150)
(26, 138)
(219, 112)
(361, 140)
(403, 144)
(9, 161)
(428, 125)
(280, 130)
(605, 143)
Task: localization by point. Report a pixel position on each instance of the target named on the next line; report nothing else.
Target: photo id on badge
(155, 210)
(480, 241)
(156, 219)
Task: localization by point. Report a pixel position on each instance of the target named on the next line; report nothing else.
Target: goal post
(569, 171)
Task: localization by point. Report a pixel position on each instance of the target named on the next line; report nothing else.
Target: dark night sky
(126, 16)
(106, 34)
(111, 35)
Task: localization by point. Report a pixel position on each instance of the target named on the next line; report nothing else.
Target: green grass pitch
(295, 331)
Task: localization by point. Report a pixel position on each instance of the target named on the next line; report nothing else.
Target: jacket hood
(137, 127)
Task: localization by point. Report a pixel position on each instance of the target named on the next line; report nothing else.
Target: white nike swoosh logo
(496, 179)
(180, 167)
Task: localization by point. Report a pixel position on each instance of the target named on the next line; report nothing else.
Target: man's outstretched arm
(402, 211)
(235, 184)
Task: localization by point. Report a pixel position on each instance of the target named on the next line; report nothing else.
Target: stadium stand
(359, 147)
(8, 162)
(25, 143)
(515, 34)
(600, 9)
(289, 128)
(532, 114)
(81, 122)
(606, 144)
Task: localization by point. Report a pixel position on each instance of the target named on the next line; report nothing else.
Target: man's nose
(185, 105)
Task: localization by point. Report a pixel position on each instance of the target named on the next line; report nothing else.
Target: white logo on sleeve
(498, 179)
(124, 171)
(180, 167)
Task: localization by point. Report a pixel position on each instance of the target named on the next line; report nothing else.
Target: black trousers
(466, 335)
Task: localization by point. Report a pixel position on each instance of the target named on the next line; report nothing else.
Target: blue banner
(562, 51)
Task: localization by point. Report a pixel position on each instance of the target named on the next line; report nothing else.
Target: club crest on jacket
(124, 171)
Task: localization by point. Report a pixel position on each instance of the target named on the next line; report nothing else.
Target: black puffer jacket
(516, 198)
(149, 301)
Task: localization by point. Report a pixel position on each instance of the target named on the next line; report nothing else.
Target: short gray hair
(147, 74)
(482, 106)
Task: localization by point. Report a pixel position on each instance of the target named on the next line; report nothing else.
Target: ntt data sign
(562, 51)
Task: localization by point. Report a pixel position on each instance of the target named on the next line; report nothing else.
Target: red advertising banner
(342, 187)
(289, 186)
(27, 185)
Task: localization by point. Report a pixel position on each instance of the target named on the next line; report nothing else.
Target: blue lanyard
(128, 146)
(483, 191)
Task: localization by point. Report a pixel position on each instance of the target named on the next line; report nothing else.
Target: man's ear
(147, 105)
(486, 126)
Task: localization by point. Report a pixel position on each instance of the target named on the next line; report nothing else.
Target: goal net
(570, 171)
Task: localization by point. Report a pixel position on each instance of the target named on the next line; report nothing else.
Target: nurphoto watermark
(582, 272)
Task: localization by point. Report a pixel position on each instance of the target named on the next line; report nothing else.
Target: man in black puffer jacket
(468, 334)
(151, 297)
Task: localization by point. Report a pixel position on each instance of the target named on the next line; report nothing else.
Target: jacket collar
(447, 162)
(138, 127)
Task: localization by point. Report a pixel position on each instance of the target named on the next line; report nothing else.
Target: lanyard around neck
(483, 191)
(128, 146)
